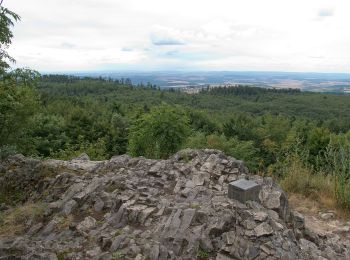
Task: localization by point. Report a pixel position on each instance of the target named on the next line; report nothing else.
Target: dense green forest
(303, 139)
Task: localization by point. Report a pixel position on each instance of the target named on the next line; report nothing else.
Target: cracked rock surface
(137, 208)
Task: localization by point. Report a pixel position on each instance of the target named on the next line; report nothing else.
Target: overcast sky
(269, 35)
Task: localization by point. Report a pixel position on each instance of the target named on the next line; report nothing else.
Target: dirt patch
(320, 218)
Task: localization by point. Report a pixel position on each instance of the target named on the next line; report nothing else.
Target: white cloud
(196, 34)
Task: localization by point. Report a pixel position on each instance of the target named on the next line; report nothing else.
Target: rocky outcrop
(136, 208)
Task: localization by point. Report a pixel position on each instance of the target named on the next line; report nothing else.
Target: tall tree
(7, 19)
(18, 98)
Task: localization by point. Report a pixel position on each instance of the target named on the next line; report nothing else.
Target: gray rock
(136, 208)
(117, 242)
(94, 252)
(327, 215)
(154, 253)
(244, 190)
(87, 224)
(298, 220)
(263, 229)
(99, 204)
(272, 197)
(82, 157)
(260, 216)
(69, 207)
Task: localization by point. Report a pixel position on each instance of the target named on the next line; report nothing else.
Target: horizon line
(188, 71)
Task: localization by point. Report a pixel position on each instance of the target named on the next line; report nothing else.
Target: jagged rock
(69, 207)
(135, 208)
(327, 215)
(86, 224)
(117, 242)
(260, 216)
(298, 220)
(263, 229)
(273, 197)
(82, 157)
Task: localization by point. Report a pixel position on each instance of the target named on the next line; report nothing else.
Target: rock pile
(136, 208)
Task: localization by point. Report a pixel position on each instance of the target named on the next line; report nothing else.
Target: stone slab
(244, 190)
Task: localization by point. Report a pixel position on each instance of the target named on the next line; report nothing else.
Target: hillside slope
(136, 208)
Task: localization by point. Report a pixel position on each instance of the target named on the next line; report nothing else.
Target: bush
(242, 150)
(160, 133)
(7, 150)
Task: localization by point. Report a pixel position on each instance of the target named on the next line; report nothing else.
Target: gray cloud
(166, 36)
(127, 49)
(326, 12)
(166, 41)
(67, 45)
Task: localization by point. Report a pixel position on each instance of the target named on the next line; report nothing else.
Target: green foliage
(234, 147)
(337, 158)
(95, 150)
(202, 254)
(118, 255)
(241, 126)
(7, 19)
(18, 98)
(117, 139)
(201, 122)
(7, 150)
(160, 133)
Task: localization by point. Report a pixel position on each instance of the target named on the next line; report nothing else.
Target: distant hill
(316, 82)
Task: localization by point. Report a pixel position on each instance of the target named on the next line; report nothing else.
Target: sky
(237, 35)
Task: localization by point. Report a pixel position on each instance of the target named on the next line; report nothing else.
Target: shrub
(7, 150)
(160, 133)
(242, 150)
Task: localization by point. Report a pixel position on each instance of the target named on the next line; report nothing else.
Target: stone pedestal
(243, 190)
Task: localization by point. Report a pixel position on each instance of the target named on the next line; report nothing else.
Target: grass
(13, 221)
(64, 222)
(117, 255)
(202, 254)
(11, 197)
(195, 206)
(299, 179)
(301, 182)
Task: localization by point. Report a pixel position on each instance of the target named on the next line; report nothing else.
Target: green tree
(118, 135)
(7, 19)
(159, 133)
(199, 121)
(18, 98)
(18, 102)
(241, 126)
(242, 150)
